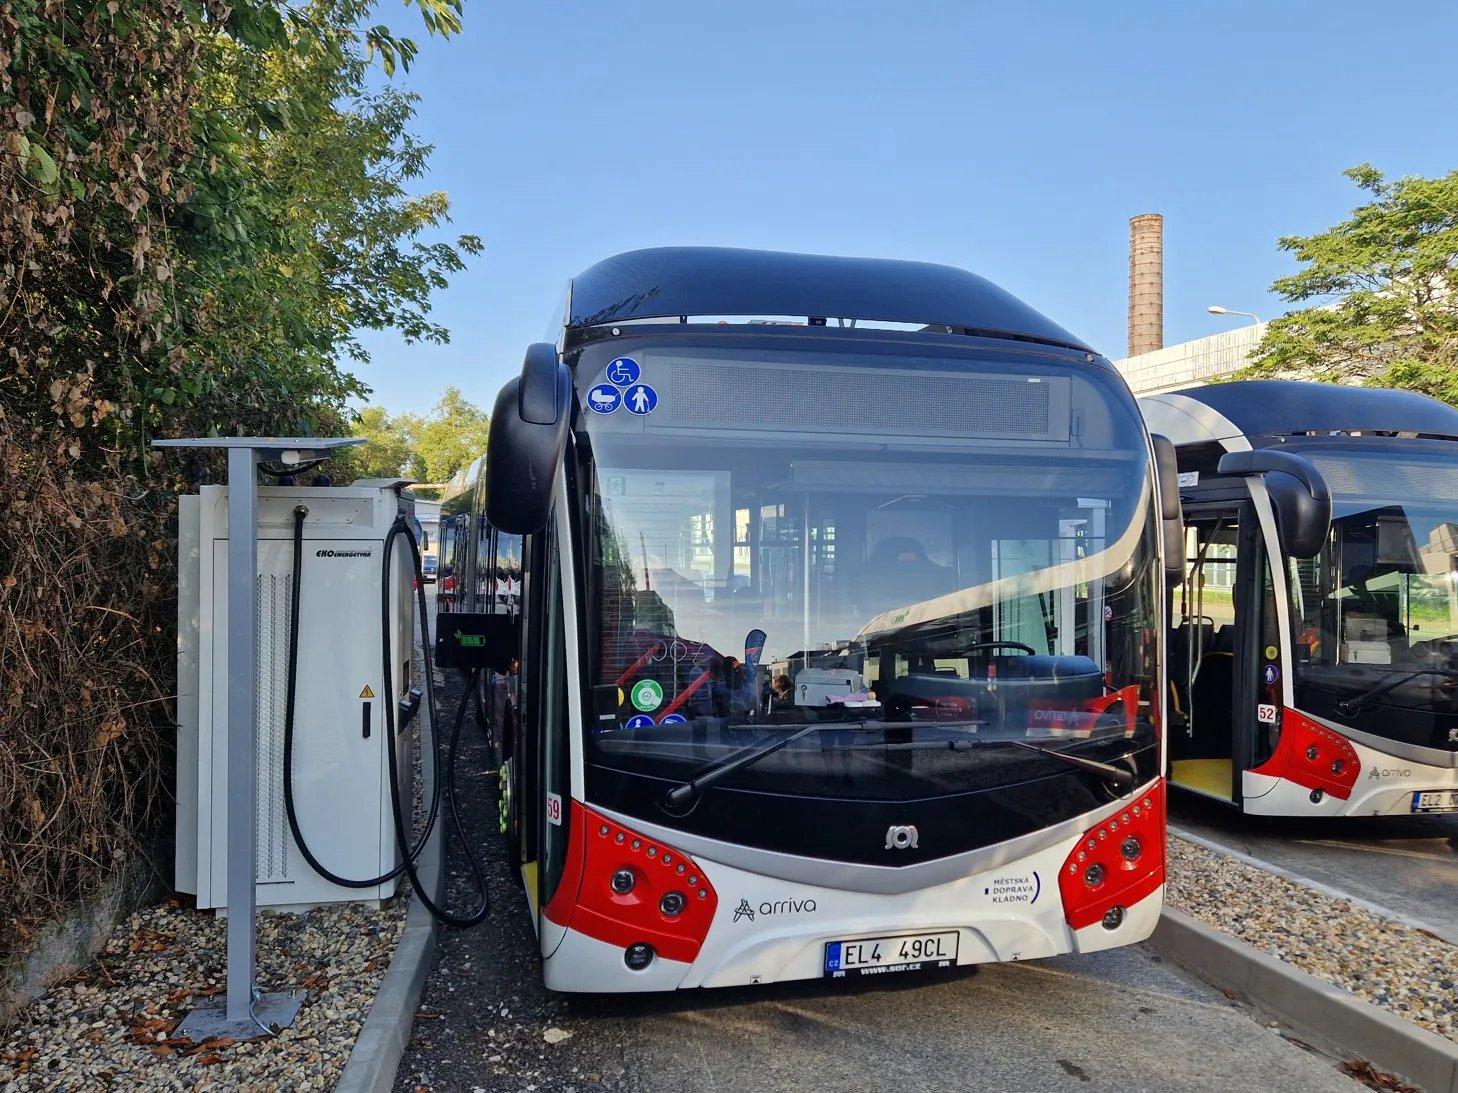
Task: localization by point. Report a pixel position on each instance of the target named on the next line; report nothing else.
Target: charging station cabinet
(341, 762)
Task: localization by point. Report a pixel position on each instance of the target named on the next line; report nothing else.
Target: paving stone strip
(111, 1025)
(1401, 968)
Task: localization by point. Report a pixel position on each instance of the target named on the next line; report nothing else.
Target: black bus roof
(680, 283)
(1293, 407)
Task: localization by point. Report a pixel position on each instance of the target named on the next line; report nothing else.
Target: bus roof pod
(673, 282)
(1272, 408)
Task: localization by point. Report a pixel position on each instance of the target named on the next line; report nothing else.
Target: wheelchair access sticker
(623, 372)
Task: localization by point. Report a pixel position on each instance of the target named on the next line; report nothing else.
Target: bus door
(554, 759)
(1210, 650)
(541, 762)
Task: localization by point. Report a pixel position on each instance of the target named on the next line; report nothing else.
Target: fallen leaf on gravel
(213, 1043)
(210, 1059)
(556, 1035)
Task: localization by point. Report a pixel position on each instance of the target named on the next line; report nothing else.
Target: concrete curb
(375, 1058)
(1330, 1017)
(381, 1045)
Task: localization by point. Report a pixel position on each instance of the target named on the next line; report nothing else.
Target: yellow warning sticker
(367, 693)
(1271, 652)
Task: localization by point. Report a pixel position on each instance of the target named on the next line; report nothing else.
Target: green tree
(449, 437)
(200, 202)
(387, 451)
(1380, 291)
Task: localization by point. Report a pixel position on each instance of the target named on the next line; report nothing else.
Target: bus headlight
(623, 881)
(672, 904)
(1131, 849)
(1093, 876)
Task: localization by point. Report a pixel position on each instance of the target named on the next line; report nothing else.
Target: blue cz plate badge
(899, 953)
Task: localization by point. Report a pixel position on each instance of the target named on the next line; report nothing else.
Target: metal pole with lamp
(246, 1012)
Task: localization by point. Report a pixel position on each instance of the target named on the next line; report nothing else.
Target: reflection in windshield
(748, 584)
(1375, 623)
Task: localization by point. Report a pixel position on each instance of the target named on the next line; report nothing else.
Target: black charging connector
(409, 707)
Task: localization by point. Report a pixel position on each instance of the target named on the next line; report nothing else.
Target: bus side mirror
(1171, 514)
(1298, 493)
(528, 436)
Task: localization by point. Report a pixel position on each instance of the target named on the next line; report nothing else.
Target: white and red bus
(1314, 638)
(841, 642)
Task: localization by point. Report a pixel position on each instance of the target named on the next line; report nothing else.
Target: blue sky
(1011, 139)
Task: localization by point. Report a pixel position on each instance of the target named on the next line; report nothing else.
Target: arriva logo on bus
(777, 907)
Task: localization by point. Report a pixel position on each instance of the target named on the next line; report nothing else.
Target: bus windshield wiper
(1118, 777)
(682, 794)
(1349, 706)
(685, 792)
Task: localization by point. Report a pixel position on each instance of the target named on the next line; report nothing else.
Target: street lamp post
(1216, 309)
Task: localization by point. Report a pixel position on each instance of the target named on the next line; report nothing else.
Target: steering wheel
(1002, 645)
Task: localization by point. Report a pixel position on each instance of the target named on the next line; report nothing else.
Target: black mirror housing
(1302, 519)
(1298, 493)
(528, 436)
(1171, 512)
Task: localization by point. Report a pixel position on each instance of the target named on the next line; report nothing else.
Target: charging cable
(442, 787)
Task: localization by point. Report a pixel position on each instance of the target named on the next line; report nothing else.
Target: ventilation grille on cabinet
(274, 608)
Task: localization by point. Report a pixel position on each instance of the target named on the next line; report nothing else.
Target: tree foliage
(1380, 292)
(428, 448)
(449, 437)
(200, 203)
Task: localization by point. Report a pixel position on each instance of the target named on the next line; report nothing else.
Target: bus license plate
(900, 953)
(1437, 800)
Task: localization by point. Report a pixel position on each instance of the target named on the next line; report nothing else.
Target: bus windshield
(1375, 623)
(939, 564)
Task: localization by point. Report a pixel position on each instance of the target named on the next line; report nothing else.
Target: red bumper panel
(1313, 756)
(1116, 863)
(662, 879)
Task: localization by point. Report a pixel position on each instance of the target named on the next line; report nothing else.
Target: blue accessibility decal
(604, 398)
(674, 719)
(639, 721)
(640, 399)
(1270, 674)
(624, 372)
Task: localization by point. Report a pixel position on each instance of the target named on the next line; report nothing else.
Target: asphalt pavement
(1122, 1020)
(1407, 864)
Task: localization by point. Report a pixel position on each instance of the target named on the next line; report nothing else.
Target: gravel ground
(1405, 970)
(110, 1026)
(1120, 1021)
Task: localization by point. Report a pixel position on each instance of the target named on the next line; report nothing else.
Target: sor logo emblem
(901, 837)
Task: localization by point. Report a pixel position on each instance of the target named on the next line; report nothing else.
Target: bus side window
(555, 732)
(485, 568)
(445, 550)
(508, 572)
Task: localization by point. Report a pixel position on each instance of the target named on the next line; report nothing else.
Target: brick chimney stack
(1146, 283)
